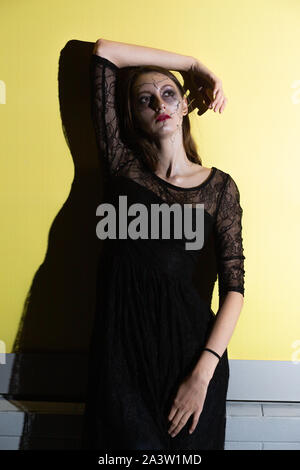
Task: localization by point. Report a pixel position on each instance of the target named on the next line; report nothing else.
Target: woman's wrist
(201, 69)
(205, 367)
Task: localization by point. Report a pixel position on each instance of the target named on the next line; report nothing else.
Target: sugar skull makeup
(155, 94)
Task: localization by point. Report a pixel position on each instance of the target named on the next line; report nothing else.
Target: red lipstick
(162, 117)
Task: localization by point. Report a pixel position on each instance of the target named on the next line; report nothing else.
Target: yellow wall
(253, 46)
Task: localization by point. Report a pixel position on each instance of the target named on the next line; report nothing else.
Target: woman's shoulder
(220, 171)
(218, 176)
(227, 181)
(225, 175)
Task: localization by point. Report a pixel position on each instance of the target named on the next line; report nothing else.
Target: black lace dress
(151, 321)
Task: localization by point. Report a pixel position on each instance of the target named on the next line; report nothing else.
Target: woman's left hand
(189, 400)
(206, 89)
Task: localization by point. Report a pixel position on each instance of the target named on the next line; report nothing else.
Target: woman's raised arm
(103, 79)
(131, 55)
(203, 84)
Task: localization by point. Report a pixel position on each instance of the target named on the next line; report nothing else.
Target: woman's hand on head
(206, 89)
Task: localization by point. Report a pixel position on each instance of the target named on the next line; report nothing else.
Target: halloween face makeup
(155, 94)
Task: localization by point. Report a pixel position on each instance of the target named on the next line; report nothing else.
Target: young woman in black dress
(158, 365)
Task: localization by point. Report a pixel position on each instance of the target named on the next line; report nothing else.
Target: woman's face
(153, 94)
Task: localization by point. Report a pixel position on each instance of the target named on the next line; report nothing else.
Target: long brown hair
(135, 137)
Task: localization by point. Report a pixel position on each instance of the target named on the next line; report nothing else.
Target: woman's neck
(172, 158)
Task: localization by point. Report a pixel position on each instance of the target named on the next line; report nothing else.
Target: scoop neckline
(180, 188)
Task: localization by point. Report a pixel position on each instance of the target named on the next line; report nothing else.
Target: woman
(158, 366)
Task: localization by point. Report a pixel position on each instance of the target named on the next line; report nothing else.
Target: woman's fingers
(219, 102)
(222, 107)
(218, 105)
(178, 422)
(195, 421)
(216, 96)
(172, 413)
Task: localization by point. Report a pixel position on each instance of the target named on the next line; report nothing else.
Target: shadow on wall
(59, 307)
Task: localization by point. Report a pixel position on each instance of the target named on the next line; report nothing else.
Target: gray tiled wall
(250, 425)
(263, 426)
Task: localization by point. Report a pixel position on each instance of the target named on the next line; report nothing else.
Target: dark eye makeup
(170, 91)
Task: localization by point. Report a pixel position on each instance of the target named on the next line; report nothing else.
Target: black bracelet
(213, 352)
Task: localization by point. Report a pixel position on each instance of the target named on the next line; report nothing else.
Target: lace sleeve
(229, 241)
(103, 76)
